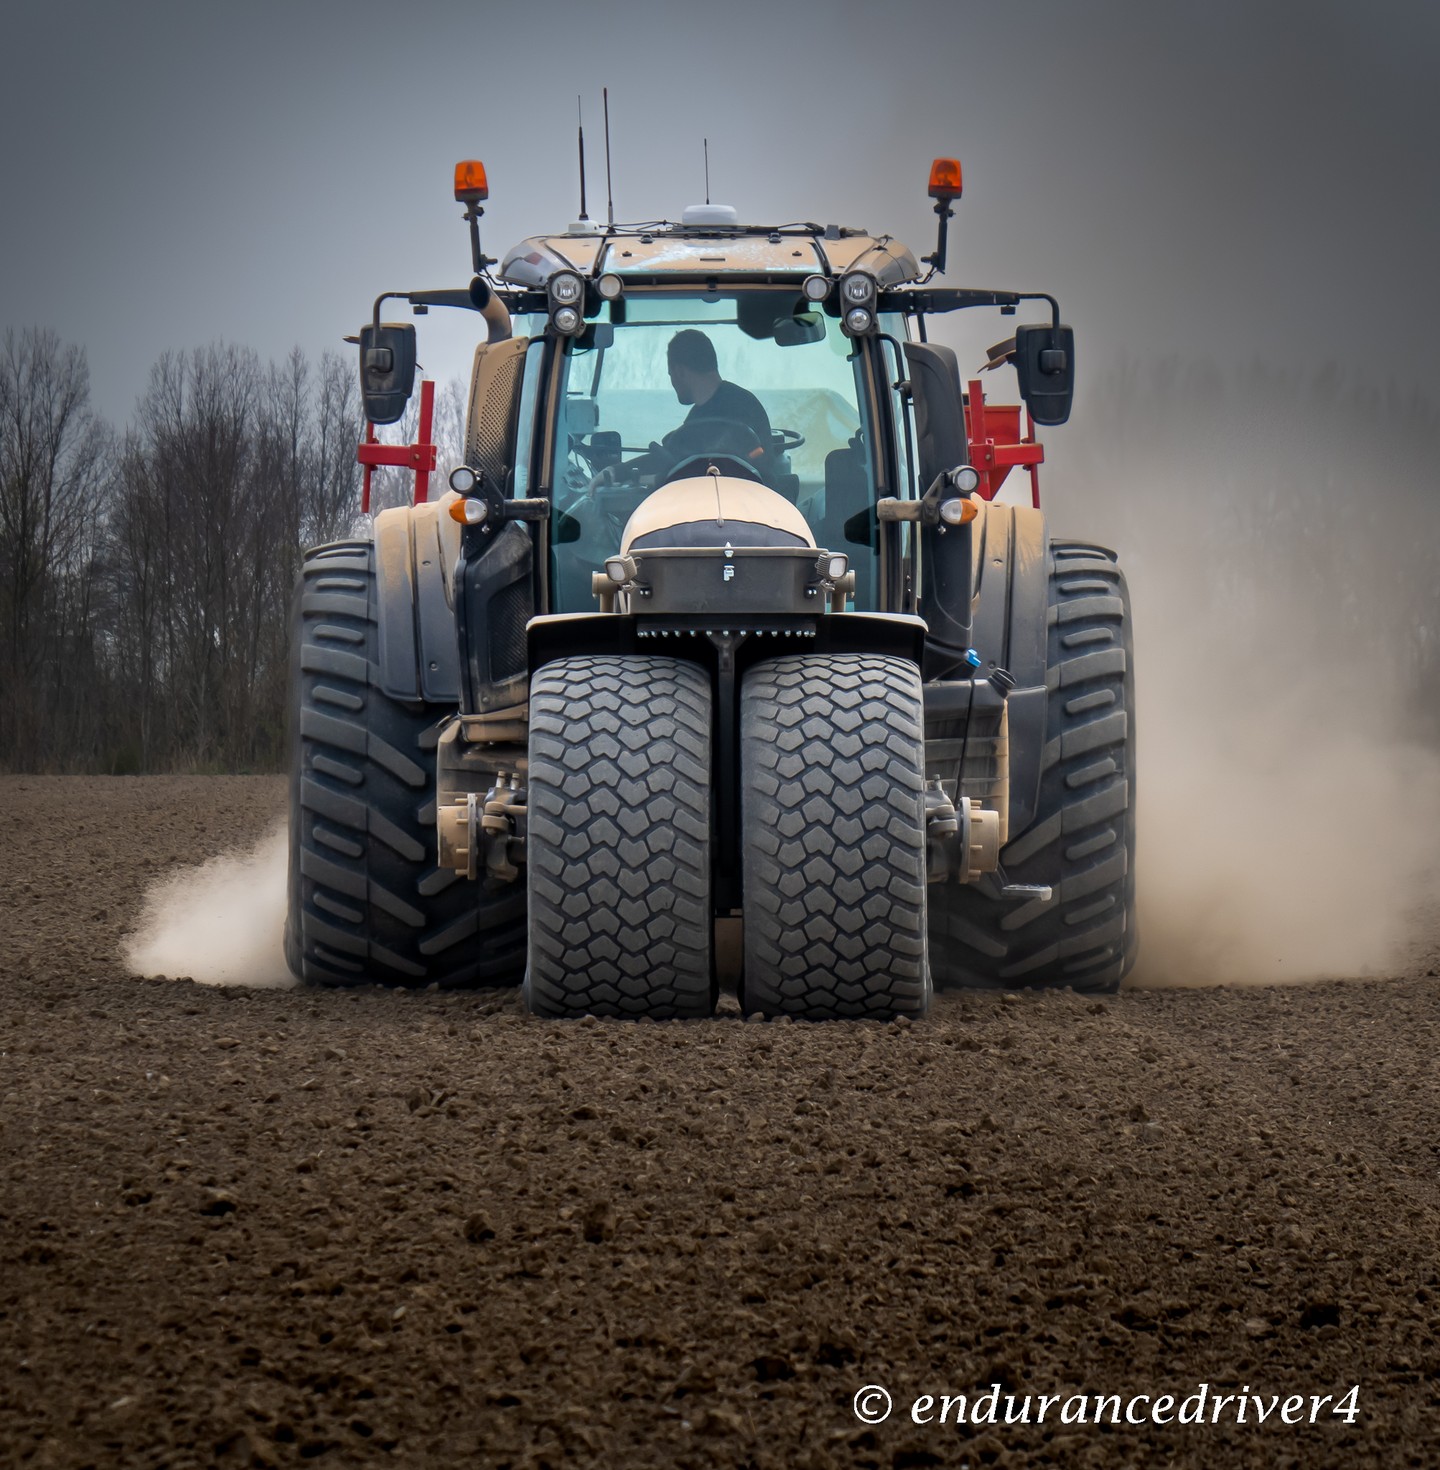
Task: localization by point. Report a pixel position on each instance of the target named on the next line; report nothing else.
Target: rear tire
(832, 774)
(367, 902)
(1082, 841)
(618, 849)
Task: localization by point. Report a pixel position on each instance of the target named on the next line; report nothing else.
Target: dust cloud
(220, 923)
(1281, 535)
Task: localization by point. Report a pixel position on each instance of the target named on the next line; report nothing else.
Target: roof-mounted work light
(857, 303)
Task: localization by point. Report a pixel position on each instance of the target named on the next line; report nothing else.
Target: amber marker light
(469, 512)
(945, 180)
(957, 512)
(471, 186)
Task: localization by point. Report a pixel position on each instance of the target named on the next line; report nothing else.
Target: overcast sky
(1227, 179)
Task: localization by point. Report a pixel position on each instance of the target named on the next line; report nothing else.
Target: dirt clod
(600, 1221)
(478, 1228)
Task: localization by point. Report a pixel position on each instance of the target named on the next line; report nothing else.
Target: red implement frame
(995, 443)
(419, 456)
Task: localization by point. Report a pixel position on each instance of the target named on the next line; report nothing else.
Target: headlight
(816, 288)
(567, 321)
(566, 289)
(858, 297)
(610, 286)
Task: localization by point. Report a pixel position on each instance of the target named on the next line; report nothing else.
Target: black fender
(416, 548)
(1009, 613)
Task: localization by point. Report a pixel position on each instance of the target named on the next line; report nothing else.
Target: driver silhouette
(695, 377)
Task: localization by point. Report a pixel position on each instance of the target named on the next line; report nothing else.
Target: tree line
(146, 572)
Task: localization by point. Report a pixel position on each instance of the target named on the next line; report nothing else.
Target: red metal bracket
(419, 456)
(996, 445)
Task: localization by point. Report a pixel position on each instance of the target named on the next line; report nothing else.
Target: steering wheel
(793, 439)
(699, 464)
(714, 438)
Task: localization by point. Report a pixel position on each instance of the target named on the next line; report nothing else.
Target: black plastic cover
(496, 599)
(739, 582)
(942, 445)
(939, 412)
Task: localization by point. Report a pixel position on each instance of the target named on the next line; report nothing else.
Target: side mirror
(387, 369)
(1045, 365)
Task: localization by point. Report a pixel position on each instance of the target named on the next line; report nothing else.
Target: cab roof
(665, 254)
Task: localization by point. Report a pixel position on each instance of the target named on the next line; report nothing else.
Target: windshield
(757, 382)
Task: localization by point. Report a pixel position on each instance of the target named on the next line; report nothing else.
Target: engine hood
(714, 510)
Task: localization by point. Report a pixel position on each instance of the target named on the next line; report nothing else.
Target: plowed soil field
(260, 1227)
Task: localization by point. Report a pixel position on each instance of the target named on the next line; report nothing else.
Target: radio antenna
(707, 170)
(609, 192)
(581, 116)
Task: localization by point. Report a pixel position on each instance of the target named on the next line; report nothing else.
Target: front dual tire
(620, 844)
(619, 841)
(832, 771)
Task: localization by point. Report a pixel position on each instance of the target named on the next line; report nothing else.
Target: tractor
(719, 619)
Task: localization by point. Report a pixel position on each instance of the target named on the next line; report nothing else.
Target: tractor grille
(492, 403)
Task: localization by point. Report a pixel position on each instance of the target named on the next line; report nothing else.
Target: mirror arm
(384, 297)
(919, 301)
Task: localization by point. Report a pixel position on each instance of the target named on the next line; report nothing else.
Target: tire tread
(619, 839)
(833, 836)
(367, 901)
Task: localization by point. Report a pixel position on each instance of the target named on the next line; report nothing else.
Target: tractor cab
(620, 359)
(790, 403)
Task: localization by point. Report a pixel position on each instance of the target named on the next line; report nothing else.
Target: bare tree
(332, 500)
(53, 468)
(231, 469)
